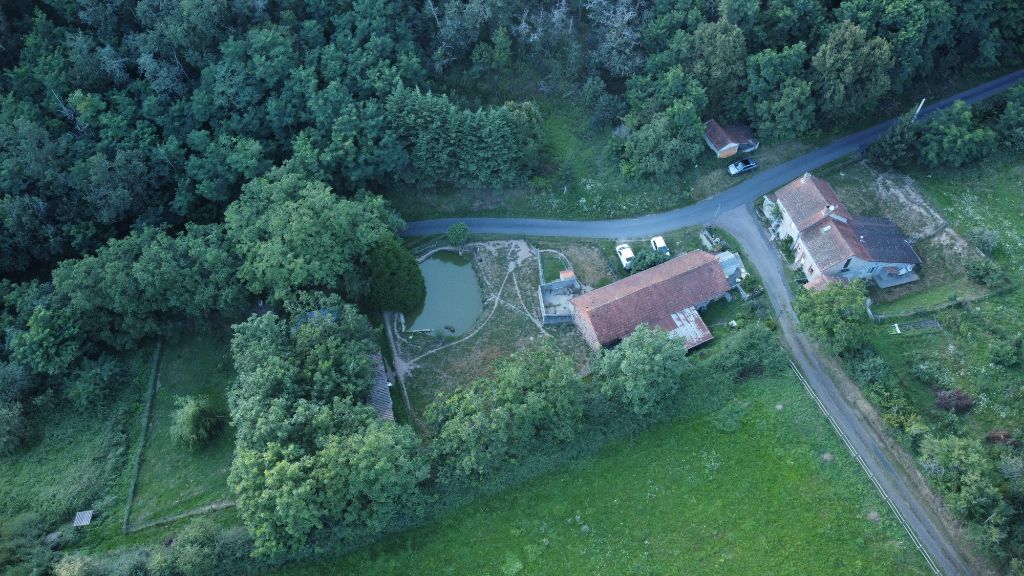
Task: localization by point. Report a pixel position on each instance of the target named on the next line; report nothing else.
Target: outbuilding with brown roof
(659, 296)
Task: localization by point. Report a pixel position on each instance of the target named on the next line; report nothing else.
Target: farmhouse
(668, 295)
(832, 244)
(726, 141)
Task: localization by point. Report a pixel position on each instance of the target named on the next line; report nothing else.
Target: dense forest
(165, 163)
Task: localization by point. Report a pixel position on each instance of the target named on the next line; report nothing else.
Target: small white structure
(83, 518)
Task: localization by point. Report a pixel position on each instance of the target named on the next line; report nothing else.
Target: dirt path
(892, 467)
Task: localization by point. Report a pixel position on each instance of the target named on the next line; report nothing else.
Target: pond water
(453, 296)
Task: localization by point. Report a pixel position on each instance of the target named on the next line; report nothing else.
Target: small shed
(83, 518)
(726, 141)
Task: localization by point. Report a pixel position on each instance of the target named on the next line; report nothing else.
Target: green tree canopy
(643, 370)
(835, 316)
(531, 400)
(293, 235)
(952, 138)
(781, 102)
(396, 282)
(851, 72)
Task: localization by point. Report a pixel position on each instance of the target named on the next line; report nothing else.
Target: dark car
(745, 165)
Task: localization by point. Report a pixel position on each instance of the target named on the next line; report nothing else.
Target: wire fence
(849, 446)
(137, 465)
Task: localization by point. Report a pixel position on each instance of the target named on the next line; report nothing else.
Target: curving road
(900, 481)
(706, 210)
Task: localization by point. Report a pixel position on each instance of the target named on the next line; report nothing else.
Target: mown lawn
(173, 478)
(735, 486)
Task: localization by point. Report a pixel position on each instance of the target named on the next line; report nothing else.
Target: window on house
(847, 265)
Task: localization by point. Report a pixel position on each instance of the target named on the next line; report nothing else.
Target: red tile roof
(653, 295)
(720, 136)
(830, 242)
(807, 200)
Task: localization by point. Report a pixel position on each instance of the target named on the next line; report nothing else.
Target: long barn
(669, 295)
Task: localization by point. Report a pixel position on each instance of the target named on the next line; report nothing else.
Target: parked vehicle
(658, 245)
(745, 165)
(625, 255)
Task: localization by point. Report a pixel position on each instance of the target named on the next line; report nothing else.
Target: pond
(453, 296)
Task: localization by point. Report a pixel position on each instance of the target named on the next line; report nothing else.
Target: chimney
(831, 207)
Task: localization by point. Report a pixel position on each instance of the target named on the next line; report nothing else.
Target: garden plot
(508, 274)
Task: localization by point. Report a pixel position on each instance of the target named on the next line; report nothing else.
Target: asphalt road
(706, 210)
(865, 438)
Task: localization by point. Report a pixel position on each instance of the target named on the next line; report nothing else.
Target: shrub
(21, 545)
(986, 239)
(647, 258)
(194, 421)
(458, 234)
(985, 272)
(871, 369)
(954, 138)
(1003, 353)
(93, 380)
(899, 146)
(956, 401)
(12, 427)
(928, 374)
(752, 351)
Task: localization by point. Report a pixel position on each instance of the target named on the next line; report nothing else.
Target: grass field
(174, 479)
(78, 460)
(737, 490)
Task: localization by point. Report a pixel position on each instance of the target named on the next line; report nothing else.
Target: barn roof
(652, 296)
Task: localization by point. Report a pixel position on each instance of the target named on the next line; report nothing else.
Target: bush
(985, 272)
(954, 138)
(956, 401)
(194, 421)
(986, 239)
(928, 374)
(458, 234)
(899, 146)
(870, 369)
(647, 258)
(604, 108)
(752, 351)
(21, 545)
(12, 427)
(93, 380)
(1004, 353)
